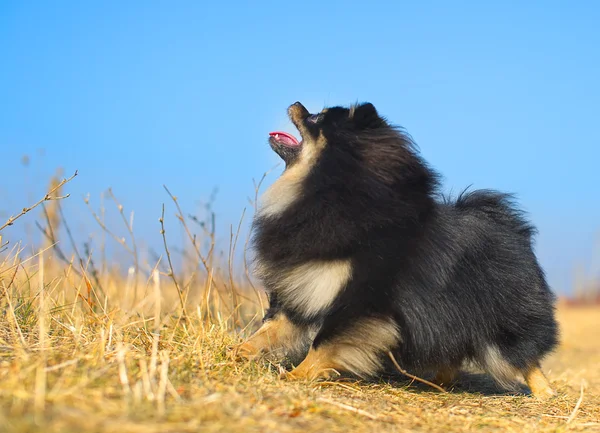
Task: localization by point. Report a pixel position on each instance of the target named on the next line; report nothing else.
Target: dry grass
(83, 348)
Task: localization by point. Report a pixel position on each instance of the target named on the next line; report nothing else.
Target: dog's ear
(365, 116)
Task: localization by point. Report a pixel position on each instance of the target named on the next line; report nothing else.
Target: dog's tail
(497, 206)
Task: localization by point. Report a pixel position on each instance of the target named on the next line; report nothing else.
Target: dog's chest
(308, 288)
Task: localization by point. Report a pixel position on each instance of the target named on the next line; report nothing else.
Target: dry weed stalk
(171, 272)
(47, 197)
(120, 240)
(51, 213)
(349, 408)
(577, 405)
(129, 226)
(412, 376)
(207, 261)
(232, 244)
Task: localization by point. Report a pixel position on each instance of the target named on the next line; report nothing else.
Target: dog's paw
(308, 375)
(543, 394)
(245, 352)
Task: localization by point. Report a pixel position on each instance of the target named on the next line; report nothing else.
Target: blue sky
(135, 95)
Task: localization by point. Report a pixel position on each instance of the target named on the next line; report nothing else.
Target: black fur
(456, 275)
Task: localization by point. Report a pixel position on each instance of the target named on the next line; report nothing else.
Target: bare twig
(192, 238)
(412, 376)
(171, 271)
(246, 267)
(41, 377)
(119, 240)
(47, 197)
(257, 186)
(232, 244)
(3, 245)
(12, 280)
(248, 278)
(11, 308)
(348, 408)
(69, 234)
(577, 406)
(129, 225)
(55, 247)
(338, 384)
(93, 271)
(51, 237)
(203, 259)
(188, 232)
(157, 310)
(49, 231)
(103, 241)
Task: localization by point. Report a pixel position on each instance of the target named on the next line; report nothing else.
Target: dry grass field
(86, 347)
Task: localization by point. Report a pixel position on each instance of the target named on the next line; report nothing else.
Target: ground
(110, 371)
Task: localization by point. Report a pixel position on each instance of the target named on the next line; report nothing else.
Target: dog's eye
(314, 118)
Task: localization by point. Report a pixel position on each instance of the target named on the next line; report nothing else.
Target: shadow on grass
(466, 383)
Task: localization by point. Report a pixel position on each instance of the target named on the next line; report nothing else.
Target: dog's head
(337, 126)
(349, 163)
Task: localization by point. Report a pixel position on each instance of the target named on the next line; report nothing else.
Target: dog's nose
(297, 111)
(297, 106)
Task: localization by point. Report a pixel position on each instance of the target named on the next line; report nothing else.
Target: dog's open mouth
(284, 139)
(285, 144)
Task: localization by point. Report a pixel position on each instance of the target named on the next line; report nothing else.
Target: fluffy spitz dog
(362, 258)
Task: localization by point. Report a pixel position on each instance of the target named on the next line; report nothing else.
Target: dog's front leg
(277, 334)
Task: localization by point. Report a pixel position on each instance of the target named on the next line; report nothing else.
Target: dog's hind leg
(538, 383)
(506, 374)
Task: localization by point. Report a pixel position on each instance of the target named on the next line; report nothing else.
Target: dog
(364, 260)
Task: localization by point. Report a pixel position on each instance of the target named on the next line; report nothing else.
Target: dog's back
(478, 290)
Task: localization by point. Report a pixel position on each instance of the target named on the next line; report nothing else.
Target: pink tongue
(284, 138)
